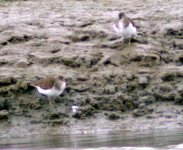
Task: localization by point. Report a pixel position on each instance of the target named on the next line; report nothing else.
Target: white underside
(127, 32)
(53, 92)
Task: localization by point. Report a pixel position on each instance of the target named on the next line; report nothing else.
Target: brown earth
(118, 86)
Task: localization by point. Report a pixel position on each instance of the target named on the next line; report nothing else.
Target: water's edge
(119, 140)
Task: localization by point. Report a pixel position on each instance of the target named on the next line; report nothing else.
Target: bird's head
(121, 15)
(60, 78)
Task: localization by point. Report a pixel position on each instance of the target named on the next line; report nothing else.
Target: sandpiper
(125, 27)
(50, 87)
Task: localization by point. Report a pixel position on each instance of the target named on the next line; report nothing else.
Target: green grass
(2, 3)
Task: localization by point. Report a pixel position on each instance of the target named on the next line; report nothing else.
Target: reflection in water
(157, 139)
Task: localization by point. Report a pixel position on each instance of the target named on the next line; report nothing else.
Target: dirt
(134, 86)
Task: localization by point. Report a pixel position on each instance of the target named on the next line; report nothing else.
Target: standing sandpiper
(125, 27)
(50, 87)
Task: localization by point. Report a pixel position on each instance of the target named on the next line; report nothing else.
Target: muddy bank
(123, 86)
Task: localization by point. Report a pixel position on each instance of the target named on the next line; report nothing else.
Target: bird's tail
(32, 85)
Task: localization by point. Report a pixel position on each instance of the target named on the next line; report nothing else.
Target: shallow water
(146, 140)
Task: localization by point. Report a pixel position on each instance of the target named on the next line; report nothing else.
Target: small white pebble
(74, 109)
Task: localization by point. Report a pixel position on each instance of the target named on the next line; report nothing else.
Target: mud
(116, 85)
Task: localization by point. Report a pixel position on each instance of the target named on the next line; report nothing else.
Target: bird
(50, 86)
(125, 27)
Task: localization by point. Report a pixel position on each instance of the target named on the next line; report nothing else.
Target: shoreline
(100, 124)
(133, 86)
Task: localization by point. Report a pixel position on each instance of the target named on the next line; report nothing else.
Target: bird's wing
(116, 23)
(46, 83)
(132, 22)
(126, 22)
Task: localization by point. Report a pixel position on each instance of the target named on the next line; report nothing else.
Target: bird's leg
(129, 41)
(49, 98)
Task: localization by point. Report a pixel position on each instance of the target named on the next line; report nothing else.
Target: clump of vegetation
(171, 76)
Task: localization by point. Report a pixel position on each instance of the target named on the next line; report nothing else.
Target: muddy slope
(116, 85)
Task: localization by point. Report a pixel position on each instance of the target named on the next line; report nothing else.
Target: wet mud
(116, 85)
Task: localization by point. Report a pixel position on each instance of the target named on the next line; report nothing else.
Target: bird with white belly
(50, 87)
(125, 27)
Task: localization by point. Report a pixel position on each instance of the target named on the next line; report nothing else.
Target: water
(146, 140)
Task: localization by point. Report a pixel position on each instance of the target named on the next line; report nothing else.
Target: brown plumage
(46, 83)
(50, 87)
(131, 21)
(126, 21)
(125, 27)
